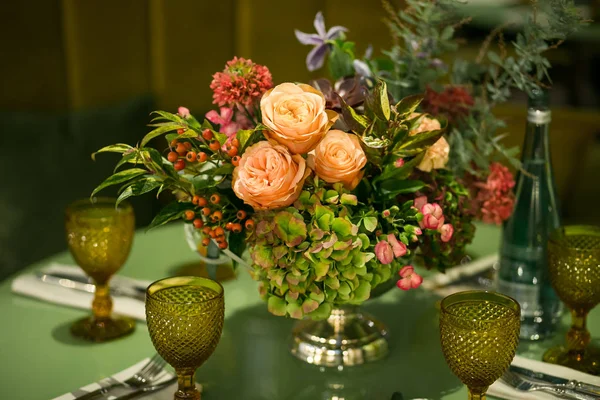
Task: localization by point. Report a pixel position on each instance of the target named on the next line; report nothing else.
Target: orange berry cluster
(182, 152)
(215, 227)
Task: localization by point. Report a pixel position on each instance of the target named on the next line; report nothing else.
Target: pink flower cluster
(386, 250)
(241, 83)
(495, 196)
(433, 218)
(409, 279)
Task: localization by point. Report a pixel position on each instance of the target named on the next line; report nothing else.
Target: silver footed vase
(348, 337)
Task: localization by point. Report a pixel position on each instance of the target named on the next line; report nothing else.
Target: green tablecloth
(40, 359)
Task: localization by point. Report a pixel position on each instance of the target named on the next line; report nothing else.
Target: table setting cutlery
(81, 283)
(68, 285)
(146, 378)
(143, 378)
(557, 381)
(521, 384)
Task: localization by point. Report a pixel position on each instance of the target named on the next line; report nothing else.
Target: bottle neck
(537, 142)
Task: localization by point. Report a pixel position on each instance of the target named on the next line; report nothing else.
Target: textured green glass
(574, 266)
(479, 332)
(99, 236)
(185, 320)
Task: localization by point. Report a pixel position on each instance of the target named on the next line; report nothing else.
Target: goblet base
(187, 395)
(587, 361)
(102, 330)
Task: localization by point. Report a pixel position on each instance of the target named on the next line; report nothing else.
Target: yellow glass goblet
(479, 332)
(185, 320)
(99, 236)
(574, 268)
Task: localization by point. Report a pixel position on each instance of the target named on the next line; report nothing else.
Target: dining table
(42, 360)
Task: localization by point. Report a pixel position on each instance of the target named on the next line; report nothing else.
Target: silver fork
(517, 382)
(140, 379)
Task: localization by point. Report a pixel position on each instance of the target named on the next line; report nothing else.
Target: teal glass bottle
(522, 273)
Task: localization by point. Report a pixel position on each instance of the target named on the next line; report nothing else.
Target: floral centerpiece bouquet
(334, 188)
(316, 207)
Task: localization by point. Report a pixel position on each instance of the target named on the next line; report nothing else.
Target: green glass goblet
(479, 332)
(185, 321)
(574, 268)
(99, 236)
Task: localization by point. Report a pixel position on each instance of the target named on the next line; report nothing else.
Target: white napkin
(502, 390)
(30, 285)
(163, 394)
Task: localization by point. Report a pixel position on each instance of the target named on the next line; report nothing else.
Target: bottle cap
(538, 110)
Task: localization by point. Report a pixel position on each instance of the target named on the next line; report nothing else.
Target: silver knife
(555, 380)
(81, 283)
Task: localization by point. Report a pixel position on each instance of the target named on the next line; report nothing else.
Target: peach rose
(436, 156)
(295, 116)
(268, 176)
(339, 158)
(426, 124)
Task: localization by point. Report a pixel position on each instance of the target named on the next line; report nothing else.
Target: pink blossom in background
(446, 230)
(409, 278)
(433, 216)
(183, 112)
(384, 252)
(495, 195)
(398, 247)
(241, 83)
(399, 163)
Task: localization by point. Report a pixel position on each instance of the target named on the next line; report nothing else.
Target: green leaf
(392, 172)
(294, 310)
(276, 306)
(494, 57)
(131, 158)
(225, 169)
(309, 305)
(340, 63)
(323, 312)
(362, 292)
(321, 269)
(356, 122)
(169, 117)
(341, 227)
(408, 105)
(447, 33)
(392, 188)
(113, 148)
(381, 105)
(159, 131)
(289, 228)
(170, 212)
(139, 187)
(370, 223)
(119, 177)
(221, 137)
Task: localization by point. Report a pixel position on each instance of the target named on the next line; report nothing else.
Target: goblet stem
(476, 394)
(578, 336)
(102, 304)
(186, 384)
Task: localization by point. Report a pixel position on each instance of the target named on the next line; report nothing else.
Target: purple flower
(316, 57)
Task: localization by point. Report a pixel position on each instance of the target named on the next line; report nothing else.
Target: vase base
(348, 337)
